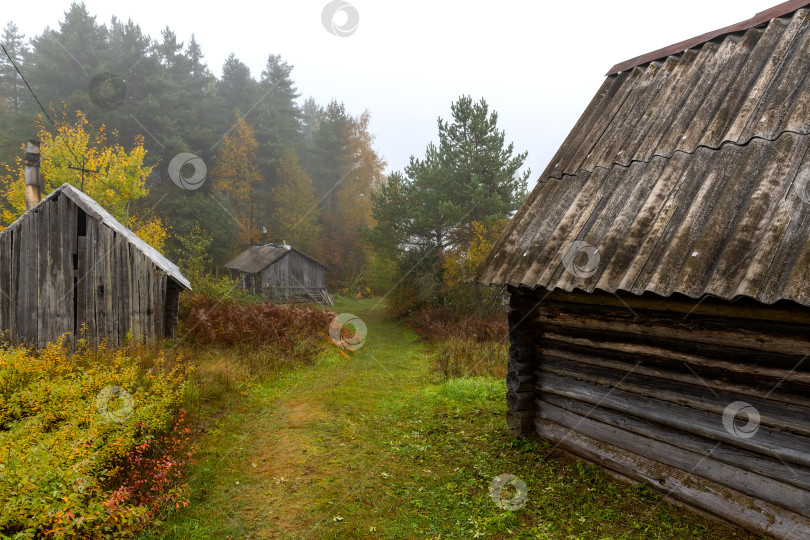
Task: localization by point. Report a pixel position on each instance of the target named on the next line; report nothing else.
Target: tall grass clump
(462, 357)
(465, 346)
(236, 341)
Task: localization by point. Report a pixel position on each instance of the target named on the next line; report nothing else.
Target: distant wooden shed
(280, 272)
(658, 278)
(67, 267)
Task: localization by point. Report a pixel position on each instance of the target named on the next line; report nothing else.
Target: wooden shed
(67, 267)
(280, 272)
(659, 277)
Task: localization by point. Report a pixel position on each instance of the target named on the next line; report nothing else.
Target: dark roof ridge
(760, 18)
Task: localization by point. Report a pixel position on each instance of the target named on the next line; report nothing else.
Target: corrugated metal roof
(754, 86)
(689, 176)
(92, 208)
(760, 18)
(256, 258)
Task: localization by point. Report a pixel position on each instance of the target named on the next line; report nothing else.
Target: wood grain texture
(701, 465)
(645, 382)
(69, 271)
(752, 513)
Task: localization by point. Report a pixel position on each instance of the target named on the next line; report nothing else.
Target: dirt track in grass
(378, 446)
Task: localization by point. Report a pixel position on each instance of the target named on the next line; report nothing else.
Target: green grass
(379, 445)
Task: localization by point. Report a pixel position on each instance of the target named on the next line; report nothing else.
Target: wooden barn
(280, 272)
(67, 267)
(659, 277)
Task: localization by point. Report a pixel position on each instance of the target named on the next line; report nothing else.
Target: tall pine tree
(471, 176)
(12, 90)
(330, 155)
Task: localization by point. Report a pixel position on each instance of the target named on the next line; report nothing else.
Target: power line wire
(27, 85)
(57, 129)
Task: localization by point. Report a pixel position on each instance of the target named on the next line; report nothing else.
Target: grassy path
(377, 446)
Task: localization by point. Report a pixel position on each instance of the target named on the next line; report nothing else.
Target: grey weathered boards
(68, 268)
(641, 385)
(280, 272)
(658, 280)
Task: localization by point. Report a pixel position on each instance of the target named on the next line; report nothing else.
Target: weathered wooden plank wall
(64, 273)
(291, 275)
(172, 304)
(42, 283)
(28, 294)
(640, 385)
(6, 270)
(67, 287)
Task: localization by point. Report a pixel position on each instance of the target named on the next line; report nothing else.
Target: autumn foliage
(151, 474)
(116, 179)
(69, 470)
(229, 322)
(295, 219)
(444, 323)
(237, 175)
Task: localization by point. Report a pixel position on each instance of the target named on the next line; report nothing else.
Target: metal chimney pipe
(32, 186)
(264, 234)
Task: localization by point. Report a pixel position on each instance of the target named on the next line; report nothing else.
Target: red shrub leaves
(443, 323)
(229, 322)
(151, 476)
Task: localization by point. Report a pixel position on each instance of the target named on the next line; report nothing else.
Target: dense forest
(202, 165)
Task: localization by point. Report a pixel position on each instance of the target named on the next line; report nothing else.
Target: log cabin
(280, 272)
(68, 268)
(658, 277)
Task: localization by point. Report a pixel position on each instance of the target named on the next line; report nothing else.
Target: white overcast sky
(537, 63)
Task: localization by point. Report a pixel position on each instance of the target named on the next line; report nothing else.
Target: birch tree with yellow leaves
(296, 212)
(117, 177)
(236, 175)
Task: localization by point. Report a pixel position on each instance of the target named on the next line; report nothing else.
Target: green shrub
(67, 445)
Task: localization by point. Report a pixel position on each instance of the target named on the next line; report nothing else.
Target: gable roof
(256, 258)
(95, 210)
(689, 175)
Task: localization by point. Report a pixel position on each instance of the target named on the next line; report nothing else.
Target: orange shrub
(230, 322)
(443, 323)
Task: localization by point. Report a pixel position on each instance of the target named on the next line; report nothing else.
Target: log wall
(640, 385)
(65, 273)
